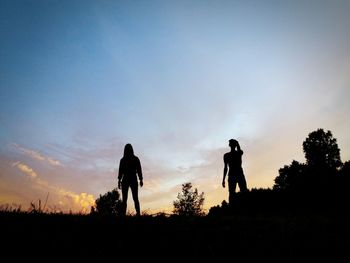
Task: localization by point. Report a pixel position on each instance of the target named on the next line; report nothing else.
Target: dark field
(237, 238)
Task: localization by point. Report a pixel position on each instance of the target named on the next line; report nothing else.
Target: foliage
(108, 204)
(345, 169)
(189, 202)
(323, 162)
(290, 176)
(321, 150)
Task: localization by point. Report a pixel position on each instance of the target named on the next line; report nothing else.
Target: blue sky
(176, 79)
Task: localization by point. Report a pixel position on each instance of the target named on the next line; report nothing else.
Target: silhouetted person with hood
(129, 170)
(233, 163)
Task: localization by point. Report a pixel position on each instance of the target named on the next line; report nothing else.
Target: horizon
(177, 80)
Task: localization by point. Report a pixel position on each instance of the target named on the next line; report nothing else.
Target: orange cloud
(25, 169)
(65, 199)
(83, 201)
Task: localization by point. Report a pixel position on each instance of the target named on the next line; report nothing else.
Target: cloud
(82, 200)
(25, 169)
(84, 154)
(37, 155)
(53, 162)
(61, 198)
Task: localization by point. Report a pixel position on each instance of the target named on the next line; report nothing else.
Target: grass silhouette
(260, 237)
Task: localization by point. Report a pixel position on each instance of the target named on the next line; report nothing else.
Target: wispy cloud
(36, 155)
(25, 169)
(53, 162)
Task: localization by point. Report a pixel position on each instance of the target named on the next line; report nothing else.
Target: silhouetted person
(129, 170)
(233, 163)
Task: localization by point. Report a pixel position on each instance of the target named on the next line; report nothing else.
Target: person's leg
(232, 181)
(242, 183)
(125, 190)
(134, 190)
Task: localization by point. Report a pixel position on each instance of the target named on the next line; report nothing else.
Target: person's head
(232, 143)
(128, 150)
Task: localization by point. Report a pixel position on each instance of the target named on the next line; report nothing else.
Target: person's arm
(120, 173)
(225, 172)
(239, 148)
(139, 172)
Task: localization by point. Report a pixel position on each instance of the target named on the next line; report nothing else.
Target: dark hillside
(258, 238)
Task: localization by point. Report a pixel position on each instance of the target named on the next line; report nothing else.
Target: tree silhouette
(189, 202)
(343, 178)
(323, 162)
(321, 150)
(290, 176)
(345, 169)
(109, 204)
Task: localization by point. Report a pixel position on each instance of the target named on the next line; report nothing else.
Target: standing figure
(129, 170)
(233, 163)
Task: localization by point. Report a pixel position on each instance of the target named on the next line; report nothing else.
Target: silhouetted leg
(232, 181)
(242, 183)
(134, 191)
(125, 189)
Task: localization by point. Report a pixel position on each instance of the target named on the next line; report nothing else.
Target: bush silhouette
(189, 202)
(108, 204)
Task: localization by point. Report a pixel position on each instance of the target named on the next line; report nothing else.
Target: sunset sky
(177, 80)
